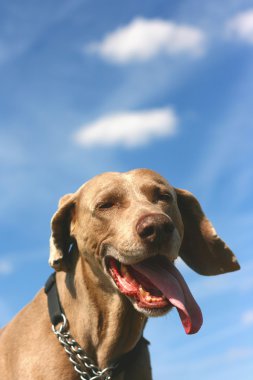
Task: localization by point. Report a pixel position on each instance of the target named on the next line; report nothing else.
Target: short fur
(100, 218)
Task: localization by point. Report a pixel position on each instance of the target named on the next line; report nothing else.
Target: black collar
(55, 312)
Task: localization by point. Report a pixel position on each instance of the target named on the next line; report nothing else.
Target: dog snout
(154, 227)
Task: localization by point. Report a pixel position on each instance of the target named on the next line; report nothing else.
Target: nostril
(155, 228)
(147, 232)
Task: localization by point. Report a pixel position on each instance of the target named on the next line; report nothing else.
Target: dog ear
(60, 239)
(202, 249)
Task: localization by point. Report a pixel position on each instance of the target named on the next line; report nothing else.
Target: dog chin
(148, 312)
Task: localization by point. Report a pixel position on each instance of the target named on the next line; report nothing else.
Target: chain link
(83, 365)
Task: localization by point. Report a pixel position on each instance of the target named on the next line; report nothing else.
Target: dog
(113, 246)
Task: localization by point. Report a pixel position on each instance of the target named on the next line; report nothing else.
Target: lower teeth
(148, 297)
(144, 293)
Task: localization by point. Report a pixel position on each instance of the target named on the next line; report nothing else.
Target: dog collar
(83, 365)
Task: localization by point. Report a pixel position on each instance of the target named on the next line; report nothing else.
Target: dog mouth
(133, 284)
(154, 285)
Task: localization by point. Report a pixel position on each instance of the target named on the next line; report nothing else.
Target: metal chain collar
(83, 365)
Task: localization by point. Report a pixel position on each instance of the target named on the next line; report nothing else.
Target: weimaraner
(113, 244)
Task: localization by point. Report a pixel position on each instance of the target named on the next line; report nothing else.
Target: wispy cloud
(209, 362)
(21, 29)
(247, 318)
(14, 157)
(241, 26)
(129, 129)
(229, 146)
(6, 267)
(236, 353)
(12, 152)
(143, 39)
(211, 286)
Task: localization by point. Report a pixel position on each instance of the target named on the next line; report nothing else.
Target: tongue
(172, 284)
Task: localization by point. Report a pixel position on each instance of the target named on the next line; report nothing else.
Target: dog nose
(154, 227)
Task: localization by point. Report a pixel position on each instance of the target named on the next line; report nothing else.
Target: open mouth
(155, 284)
(133, 284)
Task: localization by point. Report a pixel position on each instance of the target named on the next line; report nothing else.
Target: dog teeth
(145, 294)
(148, 297)
(124, 271)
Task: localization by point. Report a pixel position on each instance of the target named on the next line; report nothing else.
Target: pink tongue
(172, 284)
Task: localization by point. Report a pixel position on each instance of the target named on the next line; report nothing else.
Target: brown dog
(126, 230)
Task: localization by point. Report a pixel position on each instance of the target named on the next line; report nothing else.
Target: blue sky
(80, 95)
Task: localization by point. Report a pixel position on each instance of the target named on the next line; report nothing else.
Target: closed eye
(167, 197)
(105, 205)
(162, 195)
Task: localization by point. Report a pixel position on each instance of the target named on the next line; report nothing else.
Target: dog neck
(102, 321)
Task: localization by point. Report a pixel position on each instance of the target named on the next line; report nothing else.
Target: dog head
(132, 226)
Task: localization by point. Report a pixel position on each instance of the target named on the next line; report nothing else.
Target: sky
(94, 86)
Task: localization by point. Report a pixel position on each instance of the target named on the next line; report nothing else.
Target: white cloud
(143, 39)
(241, 26)
(247, 318)
(129, 129)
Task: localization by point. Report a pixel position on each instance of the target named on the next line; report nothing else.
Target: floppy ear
(202, 249)
(60, 239)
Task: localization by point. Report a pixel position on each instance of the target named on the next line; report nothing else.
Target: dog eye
(105, 205)
(166, 197)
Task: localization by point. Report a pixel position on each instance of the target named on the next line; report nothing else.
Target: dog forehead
(121, 181)
(145, 176)
(101, 182)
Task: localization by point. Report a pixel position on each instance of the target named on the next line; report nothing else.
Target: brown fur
(102, 320)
